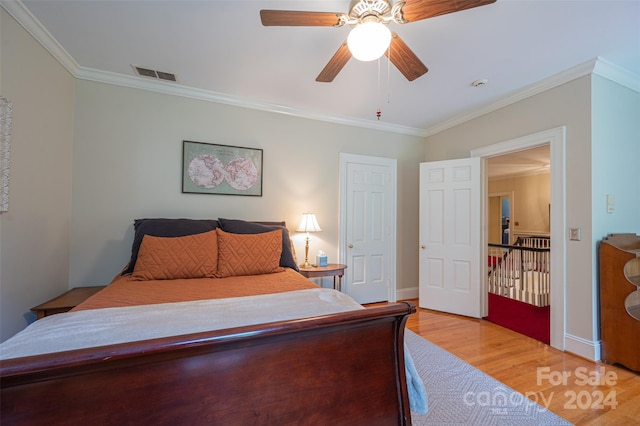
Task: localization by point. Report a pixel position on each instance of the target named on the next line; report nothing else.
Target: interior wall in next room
(530, 203)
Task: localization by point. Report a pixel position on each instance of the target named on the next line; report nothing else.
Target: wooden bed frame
(345, 368)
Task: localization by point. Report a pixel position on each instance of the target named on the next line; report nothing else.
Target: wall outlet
(574, 234)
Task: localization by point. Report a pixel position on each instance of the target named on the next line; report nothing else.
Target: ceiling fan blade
(415, 10)
(336, 63)
(290, 18)
(404, 59)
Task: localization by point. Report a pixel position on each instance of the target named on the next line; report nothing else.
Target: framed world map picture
(221, 169)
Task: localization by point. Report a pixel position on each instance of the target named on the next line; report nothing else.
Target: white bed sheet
(108, 326)
(100, 327)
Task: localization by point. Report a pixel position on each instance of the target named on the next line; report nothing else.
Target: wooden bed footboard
(345, 368)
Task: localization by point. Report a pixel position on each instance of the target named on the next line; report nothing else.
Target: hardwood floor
(537, 370)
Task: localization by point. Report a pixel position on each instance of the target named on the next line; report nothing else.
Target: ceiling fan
(372, 15)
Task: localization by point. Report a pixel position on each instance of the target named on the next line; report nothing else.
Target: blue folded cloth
(418, 401)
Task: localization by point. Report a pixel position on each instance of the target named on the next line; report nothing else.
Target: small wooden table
(65, 302)
(331, 270)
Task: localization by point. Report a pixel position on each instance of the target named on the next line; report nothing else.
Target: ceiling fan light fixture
(368, 41)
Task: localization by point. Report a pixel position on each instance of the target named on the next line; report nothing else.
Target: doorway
(500, 213)
(556, 140)
(518, 280)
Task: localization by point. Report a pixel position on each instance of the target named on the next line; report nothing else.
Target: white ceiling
(221, 49)
(526, 162)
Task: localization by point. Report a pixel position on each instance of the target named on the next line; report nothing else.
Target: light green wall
(34, 233)
(616, 162)
(616, 154)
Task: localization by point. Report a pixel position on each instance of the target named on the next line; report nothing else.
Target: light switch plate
(611, 203)
(574, 234)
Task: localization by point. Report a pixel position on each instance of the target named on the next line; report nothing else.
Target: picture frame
(221, 169)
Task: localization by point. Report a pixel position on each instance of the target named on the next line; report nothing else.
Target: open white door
(450, 229)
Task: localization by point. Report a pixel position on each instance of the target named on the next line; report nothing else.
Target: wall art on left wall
(221, 169)
(5, 144)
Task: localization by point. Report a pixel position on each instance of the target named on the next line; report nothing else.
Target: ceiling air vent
(166, 76)
(160, 75)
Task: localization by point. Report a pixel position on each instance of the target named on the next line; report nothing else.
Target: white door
(450, 226)
(368, 227)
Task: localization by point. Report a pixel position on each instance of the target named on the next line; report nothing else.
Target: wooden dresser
(620, 299)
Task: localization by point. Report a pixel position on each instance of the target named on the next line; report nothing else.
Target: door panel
(450, 268)
(369, 231)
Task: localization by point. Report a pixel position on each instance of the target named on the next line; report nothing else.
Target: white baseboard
(582, 347)
(407, 293)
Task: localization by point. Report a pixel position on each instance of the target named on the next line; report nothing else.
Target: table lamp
(308, 223)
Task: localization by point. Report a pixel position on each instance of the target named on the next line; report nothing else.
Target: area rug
(532, 321)
(460, 394)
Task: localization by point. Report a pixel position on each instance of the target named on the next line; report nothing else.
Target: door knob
(423, 247)
(350, 246)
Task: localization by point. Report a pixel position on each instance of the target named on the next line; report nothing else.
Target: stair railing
(521, 271)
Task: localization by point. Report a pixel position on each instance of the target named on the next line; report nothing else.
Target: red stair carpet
(518, 316)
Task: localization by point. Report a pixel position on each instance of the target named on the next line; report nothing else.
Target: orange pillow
(166, 258)
(248, 254)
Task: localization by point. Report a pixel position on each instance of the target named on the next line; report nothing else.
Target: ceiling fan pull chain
(378, 112)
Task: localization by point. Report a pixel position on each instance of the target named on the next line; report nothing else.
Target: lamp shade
(308, 223)
(368, 41)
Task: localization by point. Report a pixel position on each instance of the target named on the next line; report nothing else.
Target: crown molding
(619, 75)
(31, 24)
(170, 88)
(597, 66)
(534, 89)
(34, 27)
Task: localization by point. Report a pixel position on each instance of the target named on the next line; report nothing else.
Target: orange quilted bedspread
(123, 291)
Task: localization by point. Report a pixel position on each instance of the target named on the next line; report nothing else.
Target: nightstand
(331, 270)
(65, 302)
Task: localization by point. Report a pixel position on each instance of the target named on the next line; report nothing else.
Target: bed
(236, 338)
